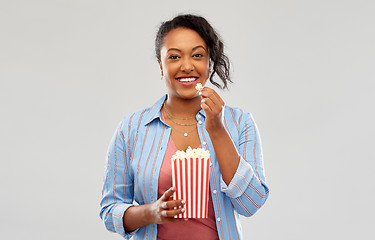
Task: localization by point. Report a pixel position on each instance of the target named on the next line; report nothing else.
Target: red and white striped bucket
(190, 177)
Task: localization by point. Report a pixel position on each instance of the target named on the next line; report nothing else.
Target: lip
(188, 84)
(187, 76)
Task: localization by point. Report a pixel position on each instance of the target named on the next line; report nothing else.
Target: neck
(183, 108)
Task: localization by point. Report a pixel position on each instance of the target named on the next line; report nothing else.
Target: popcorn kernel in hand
(199, 86)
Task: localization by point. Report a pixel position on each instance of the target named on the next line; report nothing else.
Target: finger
(172, 204)
(210, 104)
(205, 107)
(207, 91)
(220, 100)
(168, 194)
(164, 205)
(214, 96)
(172, 213)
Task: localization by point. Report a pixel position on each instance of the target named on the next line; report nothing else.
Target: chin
(188, 95)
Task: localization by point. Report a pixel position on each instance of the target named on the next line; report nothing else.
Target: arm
(117, 193)
(117, 209)
(242, 170)
(248, 190)
(225, 150)
(226, 153)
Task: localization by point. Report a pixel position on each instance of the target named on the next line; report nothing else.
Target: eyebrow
(194, 48)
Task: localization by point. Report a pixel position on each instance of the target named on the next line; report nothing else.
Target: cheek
(205, 68)
(170, 69)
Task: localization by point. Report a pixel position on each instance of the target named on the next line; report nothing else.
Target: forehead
(183, 38)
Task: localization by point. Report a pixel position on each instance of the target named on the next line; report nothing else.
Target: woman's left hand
(213, 106)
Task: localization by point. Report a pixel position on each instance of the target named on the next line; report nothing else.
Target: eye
(198, 55)
(173, 57)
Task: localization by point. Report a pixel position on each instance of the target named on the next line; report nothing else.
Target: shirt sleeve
(248, 190)
(117, 193)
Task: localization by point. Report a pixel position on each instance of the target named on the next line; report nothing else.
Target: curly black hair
(221, 64)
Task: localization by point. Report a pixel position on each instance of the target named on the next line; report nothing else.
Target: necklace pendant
(185, 134)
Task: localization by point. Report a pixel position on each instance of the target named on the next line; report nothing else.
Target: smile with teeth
(191, 79)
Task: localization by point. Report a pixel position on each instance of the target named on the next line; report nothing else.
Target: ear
(161, 67)
(210, 66)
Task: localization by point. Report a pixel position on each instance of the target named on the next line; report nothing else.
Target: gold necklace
(181, 124)
(166, 110)
(186, 133)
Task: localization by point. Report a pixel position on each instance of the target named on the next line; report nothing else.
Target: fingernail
(182, 201)
(172, 188)
(182, 209)
(200, 93)
(202, 100)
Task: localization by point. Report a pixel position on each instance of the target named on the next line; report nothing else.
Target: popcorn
(190, 177)
(191, 153)
(199, 87)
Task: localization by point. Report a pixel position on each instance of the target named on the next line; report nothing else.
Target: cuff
(117, 218)
(240, 180)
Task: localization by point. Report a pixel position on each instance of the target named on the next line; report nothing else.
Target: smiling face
(184, 62)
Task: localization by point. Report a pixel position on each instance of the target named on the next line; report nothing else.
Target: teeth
(186, 79)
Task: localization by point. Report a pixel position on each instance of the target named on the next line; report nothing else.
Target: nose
(187, 66)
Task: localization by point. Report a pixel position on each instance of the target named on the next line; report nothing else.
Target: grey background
(71, 70)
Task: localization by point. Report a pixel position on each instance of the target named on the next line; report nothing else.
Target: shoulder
(236, 115)
(141, 117)
(134, 120)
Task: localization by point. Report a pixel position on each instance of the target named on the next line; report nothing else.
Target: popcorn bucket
(190, 177)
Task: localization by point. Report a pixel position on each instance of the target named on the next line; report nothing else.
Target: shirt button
(214, 191)
(204, 143)
(210, 163)
(200, 122)
(218, 219)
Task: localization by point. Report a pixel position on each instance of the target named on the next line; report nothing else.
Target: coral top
(192, 228)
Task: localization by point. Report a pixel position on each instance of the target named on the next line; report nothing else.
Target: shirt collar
(154, 111)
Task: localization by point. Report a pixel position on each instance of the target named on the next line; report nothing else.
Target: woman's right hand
(162, 210)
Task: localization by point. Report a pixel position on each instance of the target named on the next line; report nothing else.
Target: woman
(189, 51)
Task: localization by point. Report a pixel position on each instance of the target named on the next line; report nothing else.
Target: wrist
(217, 132)
(147, 214)
(136, 216)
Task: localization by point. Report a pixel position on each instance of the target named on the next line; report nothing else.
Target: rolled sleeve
(117, 219)
(117, 194)
(240, 181)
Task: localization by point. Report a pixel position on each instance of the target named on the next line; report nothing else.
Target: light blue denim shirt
(135, 156)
